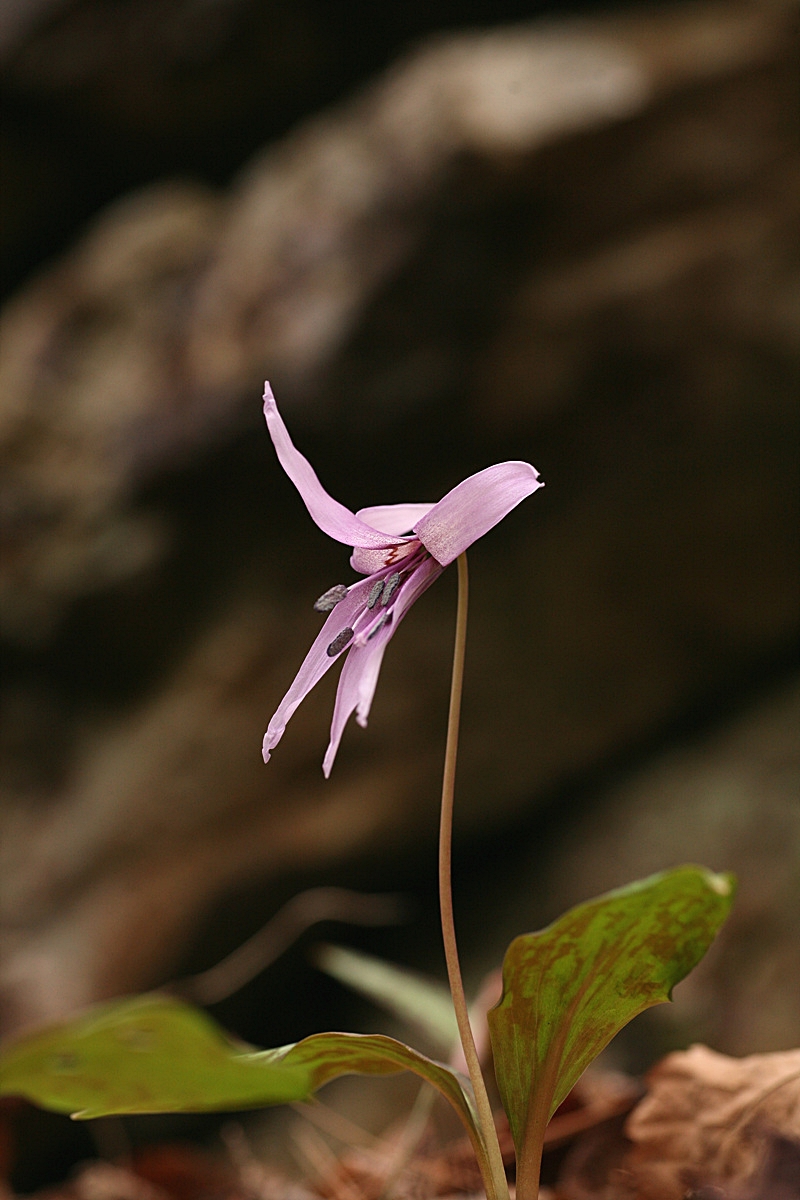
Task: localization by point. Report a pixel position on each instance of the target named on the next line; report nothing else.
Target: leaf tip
(723, 884)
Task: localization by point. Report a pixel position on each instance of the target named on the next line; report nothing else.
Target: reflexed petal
(357, 685)
(394, 518)
(331, 516)
(369, 677)
(316, 663)
(474, 507)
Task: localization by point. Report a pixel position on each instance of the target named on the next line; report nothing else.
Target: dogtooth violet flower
(401, 549)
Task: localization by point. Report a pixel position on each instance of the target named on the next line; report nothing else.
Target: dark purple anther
(390, 587)
(375, 594)
(339, 642)
(328, 600)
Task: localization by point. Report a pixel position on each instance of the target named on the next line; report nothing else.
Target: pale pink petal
(394, 518)
(359, 676)
(357, 685)
(474, 507)
(315, 663)
(367, 561)
(369, 678)
(425, 574)
(331, 516)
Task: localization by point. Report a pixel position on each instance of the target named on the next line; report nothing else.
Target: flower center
(378, 607)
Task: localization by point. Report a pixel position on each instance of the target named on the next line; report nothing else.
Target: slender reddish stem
(495, 1181)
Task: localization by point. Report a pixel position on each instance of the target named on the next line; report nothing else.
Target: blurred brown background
(448, 238)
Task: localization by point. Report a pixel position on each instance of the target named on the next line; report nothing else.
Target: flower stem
(493, 1169)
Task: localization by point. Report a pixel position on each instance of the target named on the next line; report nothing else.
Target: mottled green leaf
(155, 1054)
(423, 1003)
(569, 988)
(144, 1054)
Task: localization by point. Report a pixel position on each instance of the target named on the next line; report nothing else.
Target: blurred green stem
(493, 1169)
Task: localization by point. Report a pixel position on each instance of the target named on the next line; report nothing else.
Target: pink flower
(401, 549)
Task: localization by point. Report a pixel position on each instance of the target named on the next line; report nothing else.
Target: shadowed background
(574, 241)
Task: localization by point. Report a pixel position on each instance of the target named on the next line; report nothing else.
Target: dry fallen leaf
(712, 1121)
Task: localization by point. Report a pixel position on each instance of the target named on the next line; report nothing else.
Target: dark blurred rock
(99, 97)
(576, 244)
